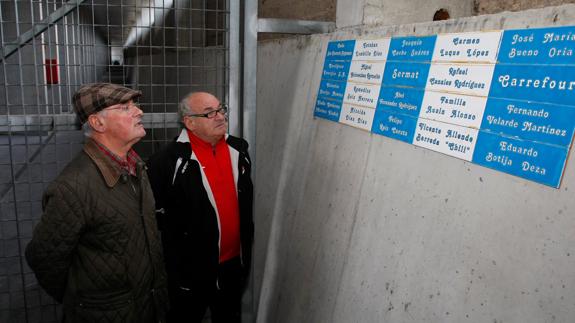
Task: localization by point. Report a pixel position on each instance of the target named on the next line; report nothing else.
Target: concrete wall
(355, 227)
(392, 12)
(483, 7)
(323, 10)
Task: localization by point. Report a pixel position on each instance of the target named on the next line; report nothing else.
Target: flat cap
(95, 97)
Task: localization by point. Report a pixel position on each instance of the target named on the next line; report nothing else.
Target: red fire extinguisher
(51, 71)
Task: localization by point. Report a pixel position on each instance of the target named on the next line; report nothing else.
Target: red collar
(198, 142)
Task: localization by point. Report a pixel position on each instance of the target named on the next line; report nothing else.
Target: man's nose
(220, 115)
(138, 112)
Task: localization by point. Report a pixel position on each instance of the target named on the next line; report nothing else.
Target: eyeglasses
(223, 109)
(127, 107)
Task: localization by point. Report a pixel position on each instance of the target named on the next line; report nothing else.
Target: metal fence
(164, 48)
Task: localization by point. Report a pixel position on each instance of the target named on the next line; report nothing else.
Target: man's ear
(189, 123)
(97, 123)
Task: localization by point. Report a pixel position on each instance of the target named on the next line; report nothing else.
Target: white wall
(356, 227)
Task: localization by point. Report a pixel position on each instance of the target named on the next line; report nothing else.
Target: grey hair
(184, 108)
(87, 128)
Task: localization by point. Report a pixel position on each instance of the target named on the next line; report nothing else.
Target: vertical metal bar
(136, 64)
(124, 62)
(12, 171)
(50, 101)
(35, 57)
(178, 14)
(221, 89)
(83, 41)
(190, 59)
(204, 46)
(108, 36)
(68, 21)
(234, 64)
(249, 102)
(165, 53)
(94, 74)
(57, 55)
(249, 76)
(75, 48)
(43, 48)
(224, 39)
(147, 33)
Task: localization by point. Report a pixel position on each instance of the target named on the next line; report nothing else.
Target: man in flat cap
(96, 248)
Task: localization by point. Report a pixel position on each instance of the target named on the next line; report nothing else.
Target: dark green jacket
(97, 249)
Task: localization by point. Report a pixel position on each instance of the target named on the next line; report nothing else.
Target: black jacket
(187, 218)
(97, 248)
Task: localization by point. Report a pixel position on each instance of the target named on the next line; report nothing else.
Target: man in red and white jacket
(204, 202)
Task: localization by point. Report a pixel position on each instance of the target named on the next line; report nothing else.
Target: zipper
(140, 198)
